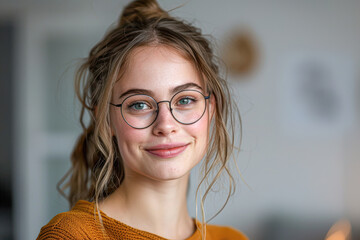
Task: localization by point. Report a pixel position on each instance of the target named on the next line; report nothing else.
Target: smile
(167, 150)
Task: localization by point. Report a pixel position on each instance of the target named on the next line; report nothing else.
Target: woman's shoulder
(224, 233)
(74, 224)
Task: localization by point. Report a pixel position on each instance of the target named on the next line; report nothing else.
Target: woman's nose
(165, 123)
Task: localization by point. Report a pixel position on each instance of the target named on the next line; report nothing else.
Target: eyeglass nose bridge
(157, 103)
(158, 109)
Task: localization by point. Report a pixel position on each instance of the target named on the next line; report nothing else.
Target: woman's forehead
(157, 68)
(143, 54)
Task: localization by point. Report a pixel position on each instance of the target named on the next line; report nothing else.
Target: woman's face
(167, 149)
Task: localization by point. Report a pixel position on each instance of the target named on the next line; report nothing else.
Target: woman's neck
(159, 207)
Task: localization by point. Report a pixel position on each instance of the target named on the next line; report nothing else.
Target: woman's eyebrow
(137, 91)
(186, 86)
(151, 93)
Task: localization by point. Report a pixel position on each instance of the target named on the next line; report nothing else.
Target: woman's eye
(186, 101)
(139, 106)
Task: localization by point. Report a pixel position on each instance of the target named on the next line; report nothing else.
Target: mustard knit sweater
(82, 223)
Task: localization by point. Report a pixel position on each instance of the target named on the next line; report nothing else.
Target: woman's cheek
(129, 138)
(200, 133)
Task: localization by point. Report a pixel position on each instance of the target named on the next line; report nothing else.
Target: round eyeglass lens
(139, 111)
(188, 106)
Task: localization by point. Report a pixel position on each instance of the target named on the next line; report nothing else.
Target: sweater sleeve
(63, 226)
(54, 234)
(225, 233)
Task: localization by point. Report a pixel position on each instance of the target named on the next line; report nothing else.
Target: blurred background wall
(299, 102)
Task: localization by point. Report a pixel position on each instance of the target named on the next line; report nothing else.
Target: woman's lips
(167, 150)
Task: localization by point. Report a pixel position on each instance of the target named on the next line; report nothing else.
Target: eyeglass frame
(157, 107)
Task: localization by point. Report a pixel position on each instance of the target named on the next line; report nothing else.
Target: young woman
(157, 107)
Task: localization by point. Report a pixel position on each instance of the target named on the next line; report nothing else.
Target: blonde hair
(97, 168)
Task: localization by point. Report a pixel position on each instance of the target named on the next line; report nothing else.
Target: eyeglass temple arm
(208, 96)
(116, 105)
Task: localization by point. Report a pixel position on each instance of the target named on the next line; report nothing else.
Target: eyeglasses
(140, 111)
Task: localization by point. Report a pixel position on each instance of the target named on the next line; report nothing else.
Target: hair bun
(141, 11)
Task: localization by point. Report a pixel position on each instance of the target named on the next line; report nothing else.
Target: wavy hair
(97, 169)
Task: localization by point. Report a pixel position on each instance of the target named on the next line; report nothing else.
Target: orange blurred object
(341, 230)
